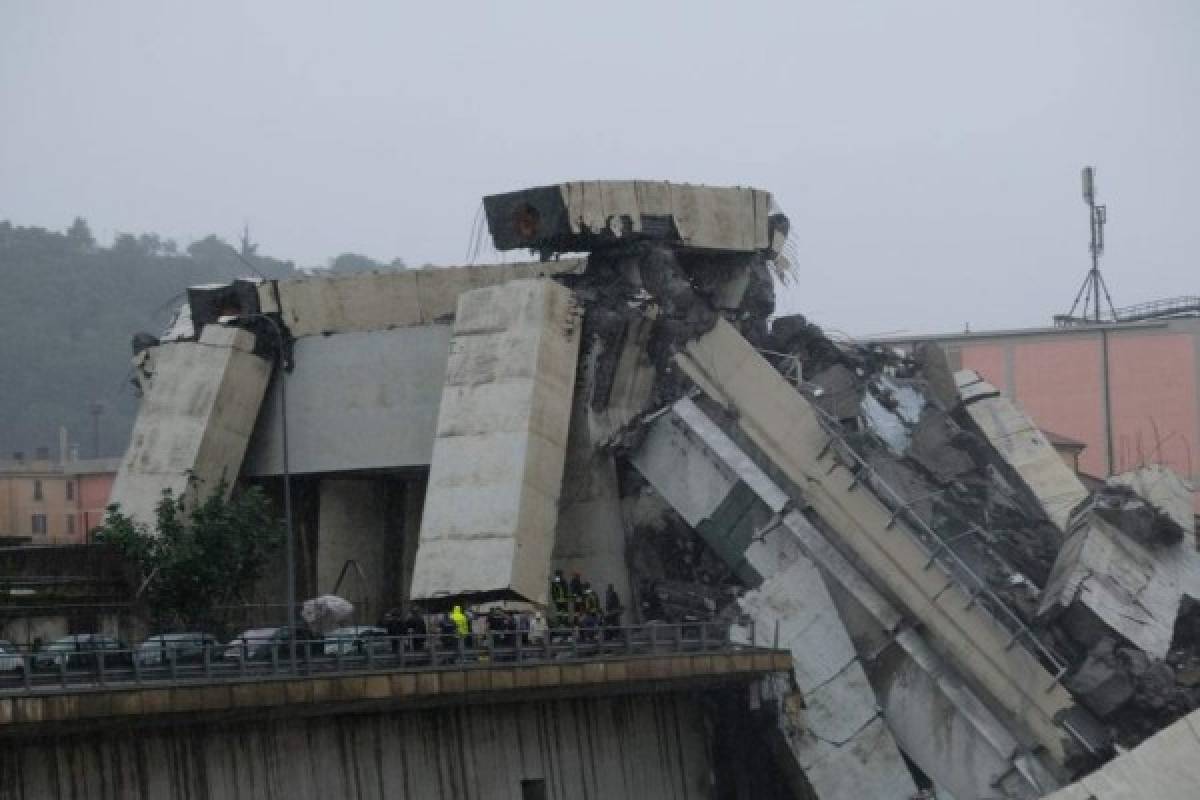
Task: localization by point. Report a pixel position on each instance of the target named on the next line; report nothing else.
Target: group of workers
(573, 604)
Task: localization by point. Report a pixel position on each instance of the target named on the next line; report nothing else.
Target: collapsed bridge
(954, 600)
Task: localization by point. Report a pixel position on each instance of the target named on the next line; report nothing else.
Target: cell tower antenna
(1088, 297)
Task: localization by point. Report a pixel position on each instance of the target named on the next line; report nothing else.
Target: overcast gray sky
(928, 153)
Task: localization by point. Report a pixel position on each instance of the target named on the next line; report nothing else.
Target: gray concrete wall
(611, 748)
(354, 527)
(355, 401)
(492, 501)
(376, 301)
(195, 420)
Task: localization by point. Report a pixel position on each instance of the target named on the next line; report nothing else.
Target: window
(37, 489)
(70, 490)
(39, 524)
(533, 789)
(70, 524)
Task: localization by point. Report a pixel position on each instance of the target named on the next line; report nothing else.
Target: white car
(10, 658)
(356, 640)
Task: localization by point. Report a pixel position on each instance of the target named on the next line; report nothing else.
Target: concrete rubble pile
(962, 613)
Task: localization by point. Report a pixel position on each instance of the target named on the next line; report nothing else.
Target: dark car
(258, 644)
(83, 650)
(356, 640)
(186, 648)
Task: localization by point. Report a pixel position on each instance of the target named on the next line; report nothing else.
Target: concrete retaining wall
(612, 748)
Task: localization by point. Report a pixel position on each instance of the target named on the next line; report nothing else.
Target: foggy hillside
(67, 313)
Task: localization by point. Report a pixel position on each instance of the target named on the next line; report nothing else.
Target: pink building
(54, 502)
(95, 478)
(1129, 391)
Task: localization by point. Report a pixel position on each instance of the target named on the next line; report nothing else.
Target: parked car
(257, 644)
(83, 650)
(187, 648)
(11, 659)
(357, 640)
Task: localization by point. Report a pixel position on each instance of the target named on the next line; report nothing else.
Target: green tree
(80, 236)
(196, 560)
(348, 263)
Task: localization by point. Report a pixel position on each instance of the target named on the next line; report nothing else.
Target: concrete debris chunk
(584, 215)
(1168, 494)
(1117, 572)
(1023, 446)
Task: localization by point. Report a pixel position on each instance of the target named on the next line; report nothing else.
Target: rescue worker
(462, 625)
(560, 600)
(576, 598)
(394, 624)
(448, 638)
(591, 602)
(612, 612)
(415, 629)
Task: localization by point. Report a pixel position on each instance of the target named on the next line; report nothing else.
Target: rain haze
(927, 153)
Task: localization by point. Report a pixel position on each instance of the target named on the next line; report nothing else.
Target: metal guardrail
(939, 550)
(1159, 308)
(54, 672)
(1154, 309)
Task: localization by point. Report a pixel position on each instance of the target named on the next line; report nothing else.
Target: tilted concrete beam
(492, 502)
(785, 429)
(194, 422)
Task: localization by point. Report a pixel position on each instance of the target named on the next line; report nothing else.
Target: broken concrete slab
(194, 423)
(1025, 448)
(1103, 684)
(582, 215)
(974, 746)
(371, 301)
(941, 447)
(1169, 494)
(721, 494)
(786, 430)
(491, 505)
(1103, 580)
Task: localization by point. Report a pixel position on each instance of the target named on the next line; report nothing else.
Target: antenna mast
(1093, 284)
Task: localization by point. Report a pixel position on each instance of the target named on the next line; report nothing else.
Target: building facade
(53, 502)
